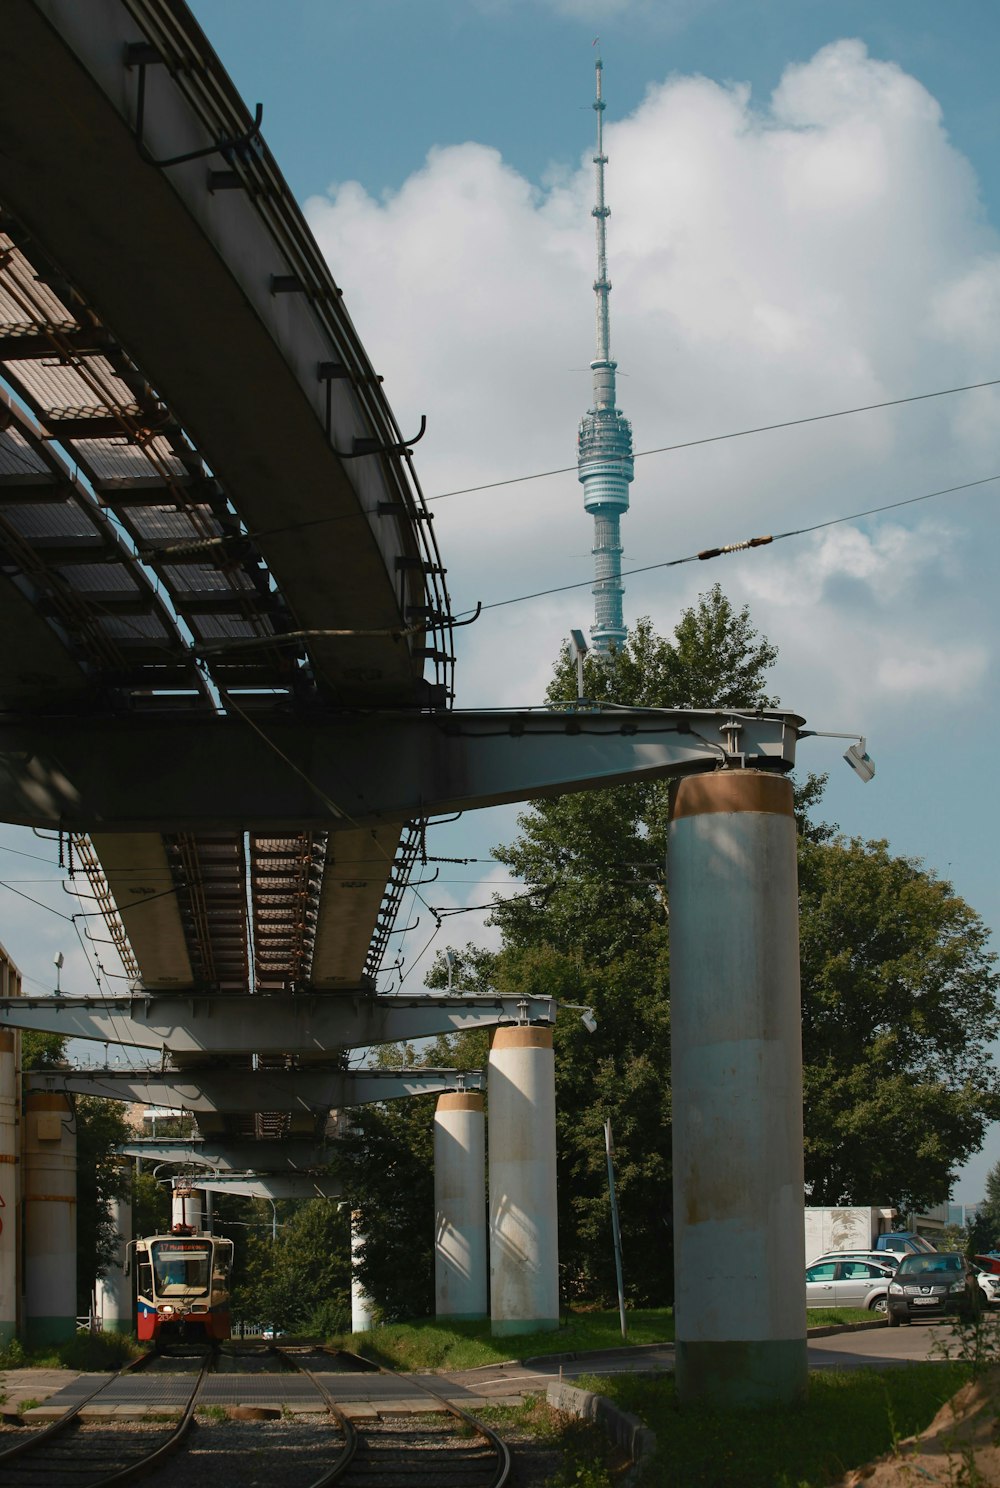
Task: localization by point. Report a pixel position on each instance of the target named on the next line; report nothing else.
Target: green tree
(899, 1003)
(300, 1282)
(592, 928)
(41, 1050)
(899, 995)
(985, 1228)
(100, 1128)
(150, 1204)
(387, 1163)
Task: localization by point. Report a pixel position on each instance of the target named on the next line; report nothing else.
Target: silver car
(848, 1283)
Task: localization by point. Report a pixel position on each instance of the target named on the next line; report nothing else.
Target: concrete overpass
(229, 680)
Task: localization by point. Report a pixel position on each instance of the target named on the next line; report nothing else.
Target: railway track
(447, 1449)
(69, 1454)
(460, 1452)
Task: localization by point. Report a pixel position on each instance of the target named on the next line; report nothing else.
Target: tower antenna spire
(604, 462)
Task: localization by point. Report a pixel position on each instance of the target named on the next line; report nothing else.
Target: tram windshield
(181, 1266)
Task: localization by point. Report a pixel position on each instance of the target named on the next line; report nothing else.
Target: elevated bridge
(229, 676)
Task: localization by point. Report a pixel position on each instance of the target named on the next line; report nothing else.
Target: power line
(206, 544)
(665, 449)
(752, 542)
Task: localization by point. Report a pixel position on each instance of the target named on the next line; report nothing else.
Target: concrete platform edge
(626, 1431)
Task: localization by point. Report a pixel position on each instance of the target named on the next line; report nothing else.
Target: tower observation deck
(604, 461)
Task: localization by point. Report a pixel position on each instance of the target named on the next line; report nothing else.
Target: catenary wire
(665, 449)
(870, 511)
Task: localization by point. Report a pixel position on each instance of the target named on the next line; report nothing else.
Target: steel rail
(337, 1469)
(497, 1443)
(150, 1461)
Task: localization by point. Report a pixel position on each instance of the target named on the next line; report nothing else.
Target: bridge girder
(290, 1155)
(235, 1091)
(349, 771)
(301, 1024)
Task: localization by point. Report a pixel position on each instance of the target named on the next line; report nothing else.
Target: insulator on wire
(737, 547)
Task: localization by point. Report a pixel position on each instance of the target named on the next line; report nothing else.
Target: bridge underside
(230, 661)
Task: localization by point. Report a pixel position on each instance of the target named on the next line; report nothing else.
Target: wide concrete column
(524, 1246)
(362, 1312)
(9, 1196)
(114, 1290)
(49, 1218)
(460, 1206)
(737, 1090)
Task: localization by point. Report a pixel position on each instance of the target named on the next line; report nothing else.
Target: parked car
(933, 1285)
(904, 1242)
(989, 1285)
(874, 1257)
(847, 1282)
(989, 1262)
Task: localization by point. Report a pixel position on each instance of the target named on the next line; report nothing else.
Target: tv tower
(604, 461)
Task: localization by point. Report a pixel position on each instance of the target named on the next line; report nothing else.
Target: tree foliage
(301, 1281)
(387, 1161)
(101, 1176)
(985, 1229)
(898, 986)
(41, 1050)
(899, 1000)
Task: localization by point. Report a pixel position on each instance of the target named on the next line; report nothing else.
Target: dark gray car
(932, 1285)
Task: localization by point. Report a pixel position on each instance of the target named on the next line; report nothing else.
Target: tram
(182, 1282)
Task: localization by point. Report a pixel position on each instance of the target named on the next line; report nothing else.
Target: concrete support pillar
(524, 1248)
(737, 1091)
(114, 1291)
(460, 1206)
(9, 1290)
(49, 1218)
(185, 1208)
(362, 1314)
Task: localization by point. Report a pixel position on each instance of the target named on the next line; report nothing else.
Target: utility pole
(615, 1226)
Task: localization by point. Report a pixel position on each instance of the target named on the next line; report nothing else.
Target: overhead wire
(666, 449)
(514, 480)
(752, 542)
(338, 811)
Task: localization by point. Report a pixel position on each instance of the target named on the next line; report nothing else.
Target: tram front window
(181, 1268)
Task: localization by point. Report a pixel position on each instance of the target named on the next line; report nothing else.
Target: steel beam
(303, 1024)
(237, 1091)
(285, 1156)
(193, 774)
(273, 1185)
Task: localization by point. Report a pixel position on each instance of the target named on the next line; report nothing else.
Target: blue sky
(804, 198)
(805, 202)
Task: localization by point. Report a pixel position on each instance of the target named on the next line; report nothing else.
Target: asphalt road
(880, 1347)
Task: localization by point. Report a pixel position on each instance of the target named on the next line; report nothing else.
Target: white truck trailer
(844, 1229)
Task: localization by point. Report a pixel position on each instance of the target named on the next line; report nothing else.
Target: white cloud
(771, 260)
(945, 674)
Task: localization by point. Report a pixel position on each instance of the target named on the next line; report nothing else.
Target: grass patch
(84, 1351)
(94, 1351)
(428, 1344)
(850, 1417)
(587, 1458)
(432, 1345)
(821, 1317)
